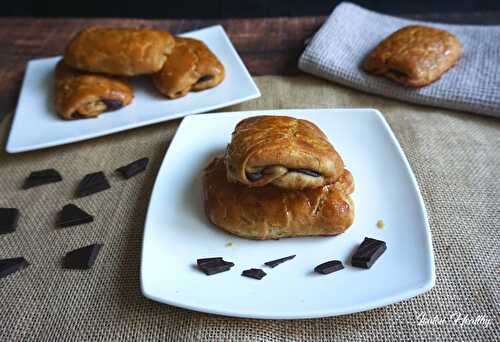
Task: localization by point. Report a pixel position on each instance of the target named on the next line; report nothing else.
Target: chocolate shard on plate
(71, 215)
(133, 168)
(92, 183)
(9, 266)
(8, 220)
(274, 263)
(41, 177)
(368, 252)
(255, 273)
(82, 258)
(329, 267)
(213, 265)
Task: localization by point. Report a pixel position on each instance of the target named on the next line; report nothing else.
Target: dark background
(218, 9)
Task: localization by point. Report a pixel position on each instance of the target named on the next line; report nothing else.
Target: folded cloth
(351, 32)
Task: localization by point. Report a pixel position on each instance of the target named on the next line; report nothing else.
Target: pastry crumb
(380, 224)
(229, 244)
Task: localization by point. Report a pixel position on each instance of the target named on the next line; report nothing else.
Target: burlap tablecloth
(455, 157)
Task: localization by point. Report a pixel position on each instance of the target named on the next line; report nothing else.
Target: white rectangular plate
(177, 231)
(36, 125)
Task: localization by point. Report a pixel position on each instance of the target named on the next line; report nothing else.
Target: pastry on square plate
(190, 67)
(414, 55)
(80, 95)
(283, 151)
(271, 212)
(119, 51)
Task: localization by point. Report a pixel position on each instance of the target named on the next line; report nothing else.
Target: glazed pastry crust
(279, 149)
(119, 51)
(414, 55)
(190, 67)
(79, 95)
(271, 212)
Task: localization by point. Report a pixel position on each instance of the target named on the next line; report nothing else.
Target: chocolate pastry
(283, 151)
(119, 51)
(414, 55)
(190, 67)
(82, 95)
(271, 212)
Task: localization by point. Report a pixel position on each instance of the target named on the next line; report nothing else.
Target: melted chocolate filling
(77, 115)
(112, 104)
(255, 176)
(204, 78)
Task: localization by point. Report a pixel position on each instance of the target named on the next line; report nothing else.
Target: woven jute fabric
(351, 32)
(456, 160)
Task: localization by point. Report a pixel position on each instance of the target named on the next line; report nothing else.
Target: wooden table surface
(267, 46)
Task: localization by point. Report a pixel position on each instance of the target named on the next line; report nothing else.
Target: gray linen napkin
(351, 32)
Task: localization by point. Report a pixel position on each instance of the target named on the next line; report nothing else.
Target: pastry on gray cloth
(350, 33)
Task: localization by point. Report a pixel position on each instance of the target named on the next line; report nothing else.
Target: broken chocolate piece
(41, 177)
(92, 183)
(71, 215)
(82, 258)
(214, 265)
(133, 168)
(274, 263)
(9, 266)
(329, 267)
(368, 252)
(8, 220)
(255, 273)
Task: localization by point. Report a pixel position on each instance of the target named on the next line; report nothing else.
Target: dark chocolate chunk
(306, 172)
(41, 177)
(8, 220)
(82, 258)
(112, 104)
(71, 215)
(255, 273)
(133, 168)
(254, 176)
(329, 267)
(205, 78)
(9, 266)
(368, 252)
(274, 263)
(92, 183)
(214, 265)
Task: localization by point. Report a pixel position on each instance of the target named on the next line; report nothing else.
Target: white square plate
(36, 125)
(177, 232)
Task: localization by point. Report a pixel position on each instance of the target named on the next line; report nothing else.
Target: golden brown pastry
(119, 51)
(283, 151)
(79, 95)
(414, 55)
(190, 67)
(271, 212)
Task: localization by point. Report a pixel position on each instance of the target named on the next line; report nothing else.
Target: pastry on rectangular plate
(81, 95)
(119, 51)
(271, 212)
(190, 67)
(283, 151)
(414, 55)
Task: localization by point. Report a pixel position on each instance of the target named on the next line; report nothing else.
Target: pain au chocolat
(119, 51)
(282, 151)
(271, 212)
(80, 94)
(414, 56)
(190, 67)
